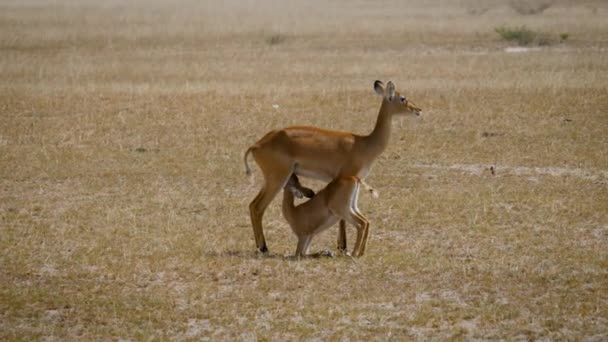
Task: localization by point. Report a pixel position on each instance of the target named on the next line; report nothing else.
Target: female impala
(321, 154)
(338, 200)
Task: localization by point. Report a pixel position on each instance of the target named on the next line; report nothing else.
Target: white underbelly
(316, 174)
(313, 174)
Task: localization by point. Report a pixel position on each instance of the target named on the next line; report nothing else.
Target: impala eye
(403, 99)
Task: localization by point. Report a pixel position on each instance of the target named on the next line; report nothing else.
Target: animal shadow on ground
(256, 255)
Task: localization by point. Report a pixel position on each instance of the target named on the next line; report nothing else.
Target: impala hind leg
(256, 222)
(343, 204)
(364, 241)
(273, 184)
(362, 225)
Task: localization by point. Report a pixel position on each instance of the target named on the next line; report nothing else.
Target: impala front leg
(342, 248)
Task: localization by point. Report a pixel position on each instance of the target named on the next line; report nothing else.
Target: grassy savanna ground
(123, 198)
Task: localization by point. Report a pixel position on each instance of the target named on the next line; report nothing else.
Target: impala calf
(321, 154)
(337, 201)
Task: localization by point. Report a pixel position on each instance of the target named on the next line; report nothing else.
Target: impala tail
(247, 168)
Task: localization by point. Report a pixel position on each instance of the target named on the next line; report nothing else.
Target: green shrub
(524, 36)
(521, 35)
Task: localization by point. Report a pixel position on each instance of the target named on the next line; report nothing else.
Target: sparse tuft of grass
(527, 7)
(276, 39)
(478, 10)
(522, 35)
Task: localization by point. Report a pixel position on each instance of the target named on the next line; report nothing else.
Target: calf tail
(369, 189)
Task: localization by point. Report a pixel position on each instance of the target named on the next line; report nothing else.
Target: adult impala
(321, 154)
(337, 201)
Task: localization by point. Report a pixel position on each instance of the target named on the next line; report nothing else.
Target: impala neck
(378, 139)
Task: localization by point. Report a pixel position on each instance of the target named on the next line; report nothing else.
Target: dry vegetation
(123, 198)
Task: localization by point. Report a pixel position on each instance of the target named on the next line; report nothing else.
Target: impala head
(293, 185)
(395, 103)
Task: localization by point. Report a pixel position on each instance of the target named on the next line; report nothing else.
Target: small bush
(524, 36)
(526, 7)
(521, 35)
(478, 10)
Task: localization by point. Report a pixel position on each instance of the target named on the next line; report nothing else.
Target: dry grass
(123, 199)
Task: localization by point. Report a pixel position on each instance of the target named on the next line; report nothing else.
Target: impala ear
(379, 88)
(390, 90)
(297, 193)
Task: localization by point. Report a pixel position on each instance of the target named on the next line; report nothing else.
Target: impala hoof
(263, 250)
(328, 254)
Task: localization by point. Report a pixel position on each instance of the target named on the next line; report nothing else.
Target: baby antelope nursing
(337, 201)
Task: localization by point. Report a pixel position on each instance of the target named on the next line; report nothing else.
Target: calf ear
(378, 87)
(294, 190)
(297, 193)
(390, 90)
